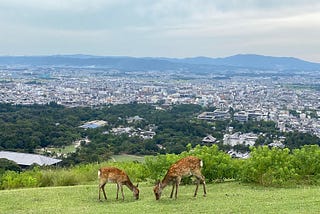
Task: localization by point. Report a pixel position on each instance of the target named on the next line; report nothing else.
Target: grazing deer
(187, 166)
(118, 176)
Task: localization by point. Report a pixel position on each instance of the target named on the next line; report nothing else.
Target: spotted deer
(188, 166)
(118, 176)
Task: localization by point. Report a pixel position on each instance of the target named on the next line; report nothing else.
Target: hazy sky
(168, 28)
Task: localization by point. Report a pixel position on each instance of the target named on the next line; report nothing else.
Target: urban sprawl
(267, 97)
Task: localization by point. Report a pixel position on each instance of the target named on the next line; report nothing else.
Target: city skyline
(167, 28)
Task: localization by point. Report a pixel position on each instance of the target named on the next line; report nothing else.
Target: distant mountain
(254, 61)
(121, 63)
(268, 62)
(200, 64)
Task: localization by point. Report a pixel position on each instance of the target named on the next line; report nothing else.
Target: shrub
(158, 165)
(268, 167)
(6, 164)
(306, 162)
(136, 171)
(11, 179)
(216, 164)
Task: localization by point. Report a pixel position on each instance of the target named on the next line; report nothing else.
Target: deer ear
(157, 182)
(137, 185)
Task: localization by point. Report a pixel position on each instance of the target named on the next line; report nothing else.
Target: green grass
(127, 158)
(63, 150)
(229, 197)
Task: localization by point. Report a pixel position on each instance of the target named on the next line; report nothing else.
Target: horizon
(156, 57)
(173, 29)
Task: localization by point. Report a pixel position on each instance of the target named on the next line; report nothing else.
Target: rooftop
(28, 159)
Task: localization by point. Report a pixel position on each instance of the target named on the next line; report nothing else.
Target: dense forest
(28, 128)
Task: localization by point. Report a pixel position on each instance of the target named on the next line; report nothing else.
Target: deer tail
(99, 173)
(201, 163)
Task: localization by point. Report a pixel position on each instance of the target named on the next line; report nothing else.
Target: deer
(118, 176)
(188, 166)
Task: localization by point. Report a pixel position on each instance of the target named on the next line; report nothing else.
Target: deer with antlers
(118, 176)
(188, 166)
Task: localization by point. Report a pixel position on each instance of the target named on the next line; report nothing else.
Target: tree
(6, 164)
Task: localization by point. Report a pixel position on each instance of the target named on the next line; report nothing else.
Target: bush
(306, 162)
(158, 165)
(268, 167)
(11, 179)
(6, 164)
(216, 163)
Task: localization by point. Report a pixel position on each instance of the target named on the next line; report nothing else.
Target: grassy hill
(229, 197)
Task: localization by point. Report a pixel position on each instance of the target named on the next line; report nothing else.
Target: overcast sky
(167, 28)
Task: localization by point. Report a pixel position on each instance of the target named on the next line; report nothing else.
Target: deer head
(135, 191)
(158, 190)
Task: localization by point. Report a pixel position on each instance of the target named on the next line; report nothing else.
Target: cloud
(62, 5)
(175, 27)
(118, 14)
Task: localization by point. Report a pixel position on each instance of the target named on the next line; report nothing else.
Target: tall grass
(80, 174)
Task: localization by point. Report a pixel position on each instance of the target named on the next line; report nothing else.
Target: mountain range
(249, 61)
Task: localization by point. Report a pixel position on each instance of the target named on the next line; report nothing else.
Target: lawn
(127, 158)
(61, 150)
(229, 197)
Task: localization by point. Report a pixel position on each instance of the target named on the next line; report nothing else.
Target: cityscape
(291, 100)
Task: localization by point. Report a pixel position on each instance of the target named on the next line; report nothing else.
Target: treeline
(27, 128)
(266, 166)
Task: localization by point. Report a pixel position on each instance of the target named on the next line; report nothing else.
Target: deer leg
(177, 185)
(122, 192)
(201, 179)
(195, 192)
(204, 187)
(104, 193)
(117, 191)
(172, 190)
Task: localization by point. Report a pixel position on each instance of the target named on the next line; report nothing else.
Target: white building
(247, 139)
